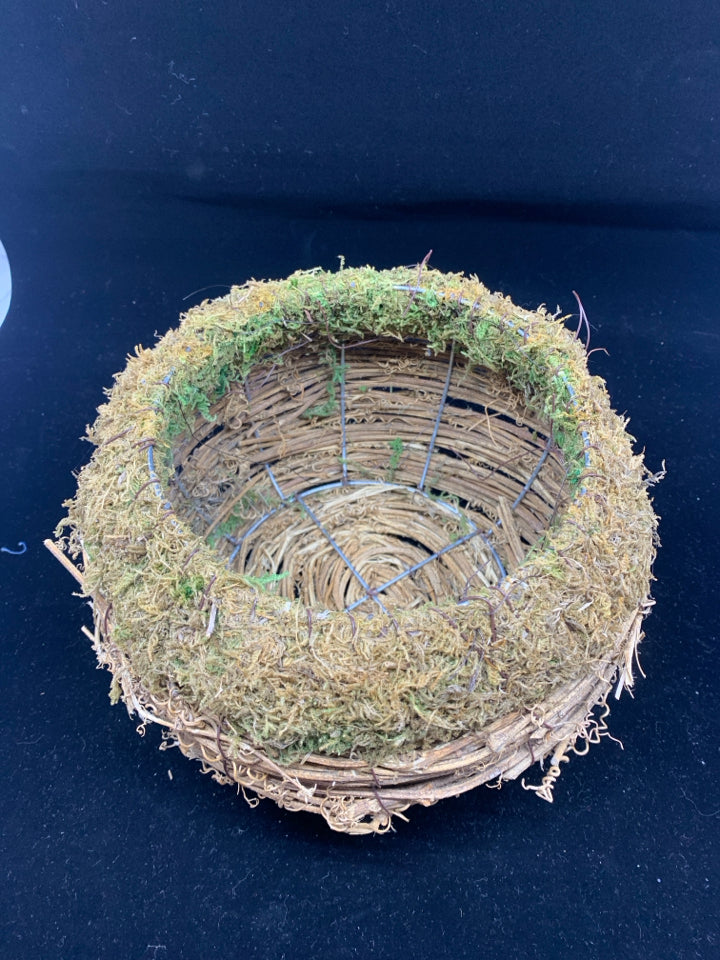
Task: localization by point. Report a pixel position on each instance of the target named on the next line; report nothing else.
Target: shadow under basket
(360, 570)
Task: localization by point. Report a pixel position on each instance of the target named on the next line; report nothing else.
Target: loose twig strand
(392, 541)
(582, 321)
(59, 555)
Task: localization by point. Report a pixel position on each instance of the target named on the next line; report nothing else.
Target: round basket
(364, 539)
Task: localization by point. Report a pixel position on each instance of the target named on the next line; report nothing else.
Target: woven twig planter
(365, 539)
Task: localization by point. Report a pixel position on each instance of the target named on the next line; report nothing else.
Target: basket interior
(370, 475)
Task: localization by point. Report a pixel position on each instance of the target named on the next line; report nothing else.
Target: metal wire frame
(373, 593)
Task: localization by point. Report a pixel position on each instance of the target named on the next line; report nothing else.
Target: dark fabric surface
(388, 101)
(111, 848)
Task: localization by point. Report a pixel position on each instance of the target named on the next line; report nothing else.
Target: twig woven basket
(364, 539)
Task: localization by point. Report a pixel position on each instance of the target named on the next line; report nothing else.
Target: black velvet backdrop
(148, 150)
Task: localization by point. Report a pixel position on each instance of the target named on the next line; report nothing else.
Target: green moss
(396, 446)
(331, 406)
(326, 409)
(189, 588)
(264, 580)
(227, 527)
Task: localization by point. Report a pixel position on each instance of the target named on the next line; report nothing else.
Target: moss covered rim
(367, 686)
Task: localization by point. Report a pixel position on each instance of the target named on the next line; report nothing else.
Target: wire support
(337, 485)
(438, 419)
(343, 422)
(369, 591)
(465, 302)
(438, 553)
(299, 498)
(533, 476)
